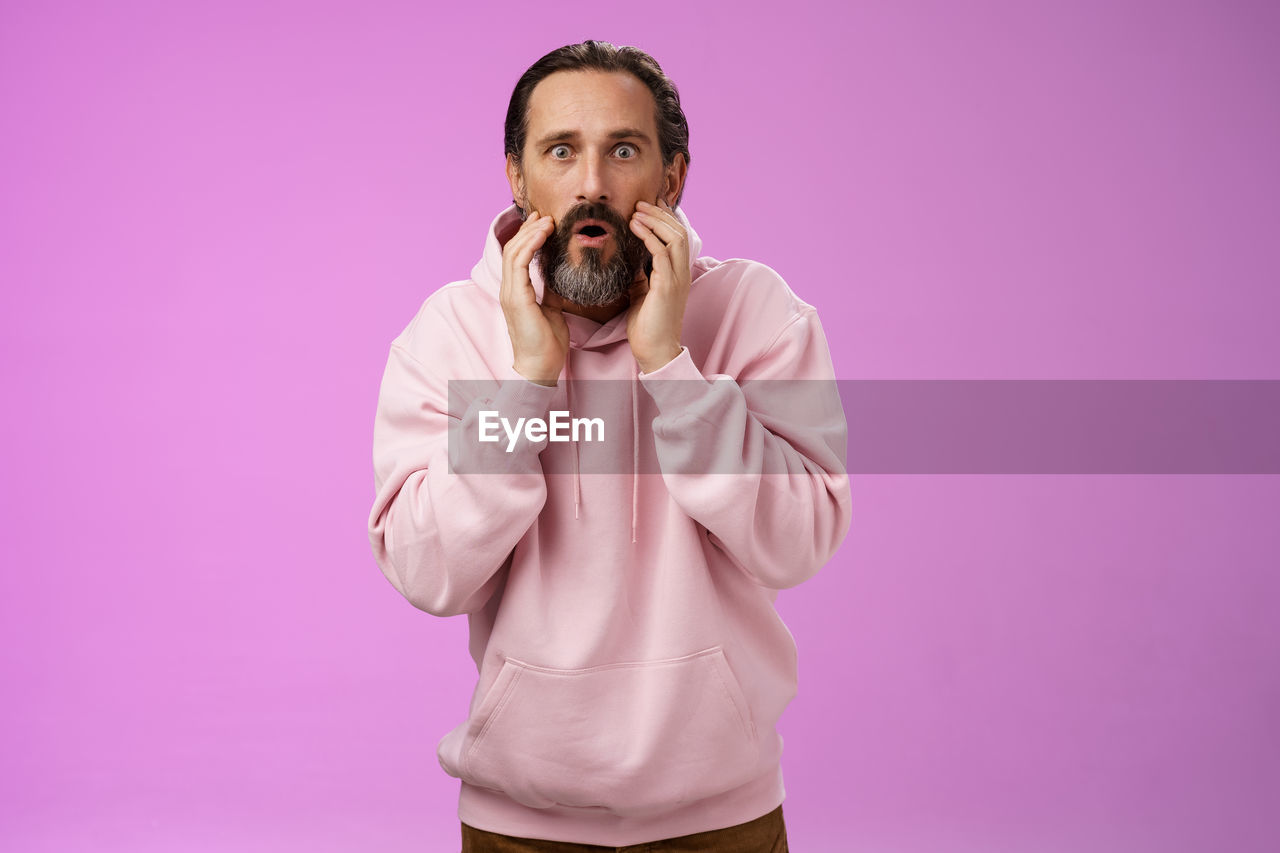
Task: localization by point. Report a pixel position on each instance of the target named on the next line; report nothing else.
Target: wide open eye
(626, 152)
(560, 152)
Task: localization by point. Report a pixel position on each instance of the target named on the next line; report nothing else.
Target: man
(632, 666)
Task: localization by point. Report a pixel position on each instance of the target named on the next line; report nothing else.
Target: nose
(592, 179)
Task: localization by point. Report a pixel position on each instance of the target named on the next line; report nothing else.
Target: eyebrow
(569, 135)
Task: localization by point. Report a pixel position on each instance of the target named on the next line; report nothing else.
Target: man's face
(590, 154)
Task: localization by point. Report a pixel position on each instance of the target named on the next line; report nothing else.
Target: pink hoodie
(632, 666)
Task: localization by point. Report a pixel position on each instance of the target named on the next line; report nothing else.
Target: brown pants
(765, 834)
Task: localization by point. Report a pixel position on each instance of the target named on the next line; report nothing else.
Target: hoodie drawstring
(568, 392)
(635, 447)
(635, 453)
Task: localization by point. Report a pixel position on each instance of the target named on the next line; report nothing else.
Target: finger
(658, 249)
(641, 228)
(652, 242)
(674, 236)
(661, 214)
(668, 230)
(513, 246)
(518, 254)
(532, 234)
(533, 241)
(535, 224)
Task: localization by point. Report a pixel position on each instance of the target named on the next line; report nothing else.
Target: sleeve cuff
(479, 441)
(678, 385)
(518, 395)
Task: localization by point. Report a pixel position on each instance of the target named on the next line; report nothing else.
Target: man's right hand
(539, 334)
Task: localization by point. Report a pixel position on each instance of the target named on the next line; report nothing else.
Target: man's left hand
(657, 303)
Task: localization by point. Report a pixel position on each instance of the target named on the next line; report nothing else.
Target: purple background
(215, 217)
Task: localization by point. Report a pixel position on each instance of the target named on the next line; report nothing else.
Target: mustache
(633, 250)
(591, 210)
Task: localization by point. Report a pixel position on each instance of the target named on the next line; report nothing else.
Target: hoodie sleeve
(759, 460)
(441, 537)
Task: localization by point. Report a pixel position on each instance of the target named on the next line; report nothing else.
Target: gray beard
(591, 283)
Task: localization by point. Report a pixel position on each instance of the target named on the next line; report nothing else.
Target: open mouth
(591, 230)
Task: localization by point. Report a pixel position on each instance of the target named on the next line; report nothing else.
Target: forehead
(591, 102)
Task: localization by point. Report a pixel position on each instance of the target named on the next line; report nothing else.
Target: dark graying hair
(673, 127)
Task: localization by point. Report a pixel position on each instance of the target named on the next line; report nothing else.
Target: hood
(584, 333)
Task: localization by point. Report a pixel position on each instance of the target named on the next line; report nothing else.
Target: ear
(673, 179)
(516, 180)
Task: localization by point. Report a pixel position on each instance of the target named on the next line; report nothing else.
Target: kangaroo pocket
(634, 738)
